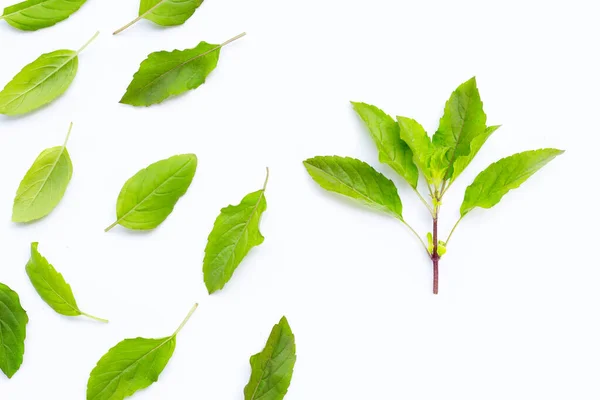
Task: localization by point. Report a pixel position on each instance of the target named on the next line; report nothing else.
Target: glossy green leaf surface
(149, 196)
(414, 135)
(165, 74)
(462, 161)
(462, 122)
(393, 151)
(168, 12)
(130, 366)
(236, 231)
(51, 286)
(44, 184)
(509, 173)
(13, 322)
(32, 15)
(273, 367)
(355, 179)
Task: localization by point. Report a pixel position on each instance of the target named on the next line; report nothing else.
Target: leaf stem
(68, 135)
(88, 42)
(423, 201)
(415, 233)
(453, 228)
(111, 226)
(233, 39)
(94, 318)
(138, 18)
(266, 180)
(187, 318)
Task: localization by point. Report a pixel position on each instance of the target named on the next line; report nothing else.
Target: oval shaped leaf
(149, 196)
(386, 134)
(273, 367)
(131, 365)
(51, 286)
(235, 232)
(509, 173)
(44, 185)
(40, 82)
(165, 74)
(165, 12)
(356, 179)
(32, 15)
(13, 322)
(414, 135)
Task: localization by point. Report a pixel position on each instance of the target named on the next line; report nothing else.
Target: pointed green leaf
(32, 15)
(51, 286)
(273, 367)
(13, 321)
(40, 82)
(149, 196)
(44, 185)
(509, 173)
(463, 120)
(132, 365)
(165, 12)
(356, 179)
(235, 233)
(165, 74)
(393, 151)
(462, 161)
(413, 134)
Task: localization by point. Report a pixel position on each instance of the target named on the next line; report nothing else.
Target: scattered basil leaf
(13, 321)
(31, 15)
(165, 74)
(273, 367)
(393, 151)
(413, 134)
(44, 184)
(149, 196)
(165, 12)
(131, 365)
(357, 180)
(509, 173)
(236, 231)
(52, 287)
(40, 82)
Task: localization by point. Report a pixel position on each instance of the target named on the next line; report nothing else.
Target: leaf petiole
(416, 234)
(453, 228)
(185, 321)
(105, 321)
(88, 42)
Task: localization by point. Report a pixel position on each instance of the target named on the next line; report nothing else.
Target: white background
(517, 312)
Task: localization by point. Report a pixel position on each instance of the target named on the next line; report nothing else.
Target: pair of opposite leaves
(162, 75)
(145, 201)
(404, 145)
(31, 15)
(132, 364)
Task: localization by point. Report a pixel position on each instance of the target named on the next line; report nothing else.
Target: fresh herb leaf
(509, 173)
(355, 179)
(413, 134)
(32, 15)
(52, 287)
(13, 321)
(462, 161)
(273, 367)
(149, 196)
(131, 365)
(44, 185)
(235, 233)
(40, 82)
(165, 12)
(393, 151)
(165, 74)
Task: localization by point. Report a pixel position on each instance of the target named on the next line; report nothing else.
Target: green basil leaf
(413, 134)
(165, 12)
(165, 74)
(52, 287)
(32, 15)
(393, 151)
(463, 161)
(13, 321)
(235, 233)
(131, 365)
(273, 367)
(463, 120)
(40, 82)
(149, 196)
(44, 185)
(357, 180)
(509, 173)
